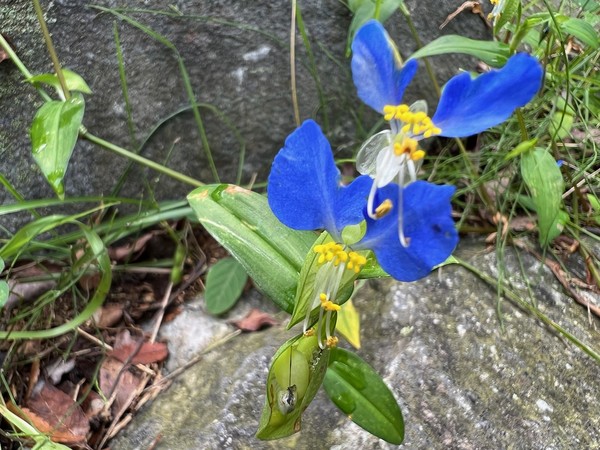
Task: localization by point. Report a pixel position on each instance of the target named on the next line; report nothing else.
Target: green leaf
(492, 53)
(242, 222)
(562, 119)
(360, 393)
(305, 293)
(54, 133)
(508, 12)
(364, 10)
(295, 376)
(582, 30)
(545, 184)
(73, 81)
(521, 148)
(224, 285)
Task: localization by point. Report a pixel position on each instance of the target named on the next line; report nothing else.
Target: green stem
(417, 39)
(530, 308)
(377, 9)
(17, 62)
(139, 159)
(522, 126)
(51, 50)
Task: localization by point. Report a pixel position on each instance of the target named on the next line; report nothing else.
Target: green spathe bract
(361, 394)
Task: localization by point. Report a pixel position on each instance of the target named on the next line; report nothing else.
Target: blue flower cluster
(408, 222)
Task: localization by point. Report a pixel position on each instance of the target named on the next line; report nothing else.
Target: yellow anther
(417, 155)
(357, 261)
(494, 2)
(332, 341)
(309, 332)
(380, 211)
(389, 112)
(406, 145)
(331, 252)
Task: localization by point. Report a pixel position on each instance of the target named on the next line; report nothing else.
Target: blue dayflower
(304, 188)
(428, 227)
(467, 106)
(304, 193)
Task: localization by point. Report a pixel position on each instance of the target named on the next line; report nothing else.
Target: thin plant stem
(22, 68)
(293, 64)
(377, 12)
(139, 159)
(51, 50)
(512, 296)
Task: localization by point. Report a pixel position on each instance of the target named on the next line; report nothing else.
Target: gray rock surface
(463, 378)
(237, 56)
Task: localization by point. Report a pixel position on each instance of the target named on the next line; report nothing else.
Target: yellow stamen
(309, 332)
(357, 261)
(331, 252)
(417, 155)
(383, 209)
(415, 123)
(332, 341)
(328, 305)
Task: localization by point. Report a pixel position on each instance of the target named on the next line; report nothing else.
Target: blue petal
(303, 187)
(377, 70)
(470, 106)
(427, 224)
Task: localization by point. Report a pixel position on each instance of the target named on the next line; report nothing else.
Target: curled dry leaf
(128, 251)
(147, 353)
(117, 380)
(56, 414)
(255, 320)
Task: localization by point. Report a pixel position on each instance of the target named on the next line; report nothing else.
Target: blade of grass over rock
(491, 52)
(360, 393)
(184, 75)
(241, 221)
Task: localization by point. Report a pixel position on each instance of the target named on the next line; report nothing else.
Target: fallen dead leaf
(129, 250)
(118, 381)
(56, 414)
(108, 315)
(255, 320)
(147, 353)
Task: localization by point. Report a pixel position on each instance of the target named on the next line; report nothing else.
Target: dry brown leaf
(115, 379)
(147, 353)
(108, 315)
(255, 320)
(56, 414)
(128, 250)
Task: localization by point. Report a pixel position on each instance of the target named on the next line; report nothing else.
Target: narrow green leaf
(582, 30)
(490, 52)
(73, 80)
(521, 148)
(54, 133)
(545, 184)
(3, 293)
(242, 222)
(224, 285)
(508, 12)
(363, 11)
(295, 376)
(360, 393)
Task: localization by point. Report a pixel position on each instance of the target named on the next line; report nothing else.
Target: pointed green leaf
(225, 282)
(490, 52)
(54, 133)
(545, 184)
(582, 30)
(295, 376)
(508, 12)
(364, 10)
(73, 80)
(360, 393)
(242, 222)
